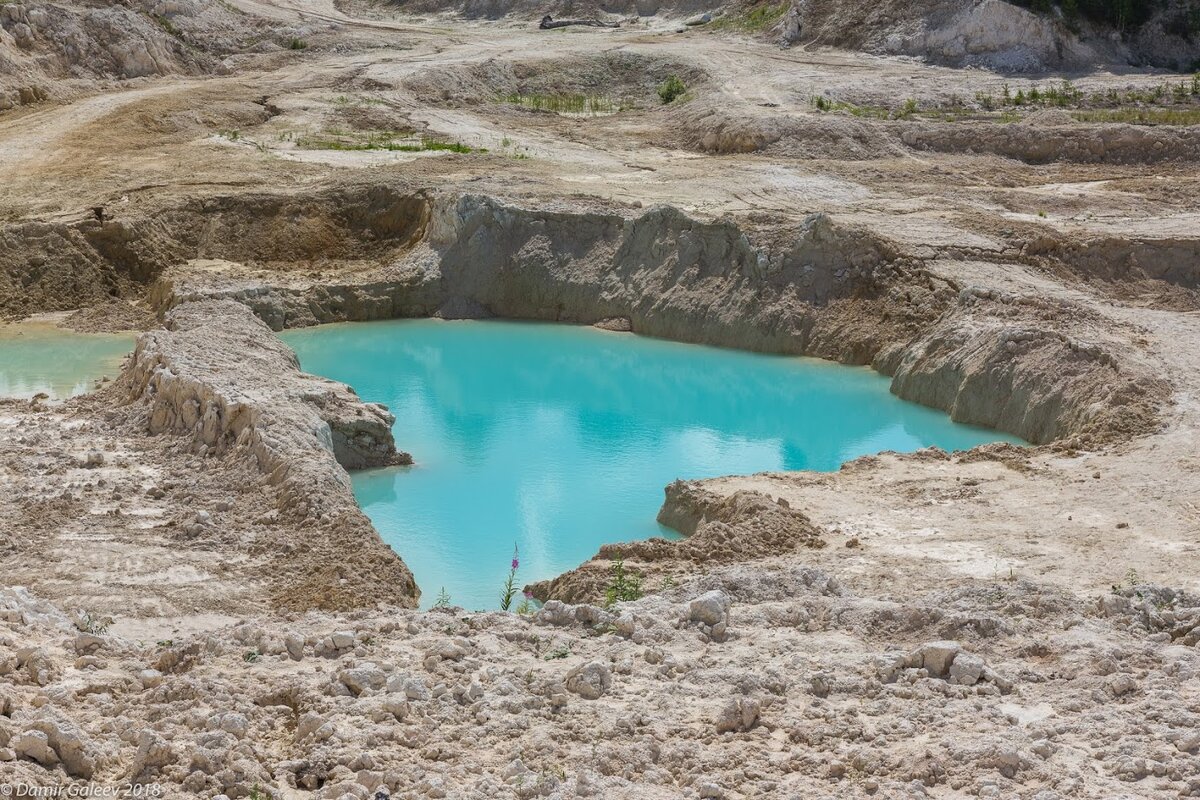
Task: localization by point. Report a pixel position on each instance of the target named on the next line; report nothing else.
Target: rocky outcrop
(218, 377)
(54, 266)
(1025, 379)
(710, 127)
(993, 34)
(1043, 144)
(742, 527)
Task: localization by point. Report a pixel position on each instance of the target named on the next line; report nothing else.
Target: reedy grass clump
(381, 140)
(567, 103)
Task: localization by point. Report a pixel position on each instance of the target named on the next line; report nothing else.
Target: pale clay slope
(908, 626)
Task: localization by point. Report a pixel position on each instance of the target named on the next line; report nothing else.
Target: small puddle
(561, 438)
(40, 358)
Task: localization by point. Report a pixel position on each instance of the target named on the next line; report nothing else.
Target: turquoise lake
(39, 358)
(561, 438)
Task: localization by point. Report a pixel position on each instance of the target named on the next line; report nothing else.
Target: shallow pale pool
(40, 358)
(561, 438)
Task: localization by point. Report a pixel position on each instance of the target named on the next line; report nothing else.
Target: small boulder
(152, 752)
(150, 678)
(35, 746)
(294, 644)
(966, 669)
(738, 715)
(935, 657)
(590, 681)
(73, 749)
(363, 679)
(710, 608)
(342, 640)
(86, 644)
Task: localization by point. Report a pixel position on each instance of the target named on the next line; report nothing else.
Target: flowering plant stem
(510, 585)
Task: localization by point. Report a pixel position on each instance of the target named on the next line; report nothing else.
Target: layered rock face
(822, 289)
(991, 34)
(218, 376)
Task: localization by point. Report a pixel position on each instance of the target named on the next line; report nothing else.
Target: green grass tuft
(671, 89)
(753, 20)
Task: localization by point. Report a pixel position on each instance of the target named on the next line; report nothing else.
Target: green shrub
(671, 89)
(1121, 14)
(623, 586)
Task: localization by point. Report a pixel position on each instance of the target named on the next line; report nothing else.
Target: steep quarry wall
(820, 289)
(994, 34)
(57, 266)
(710, 127)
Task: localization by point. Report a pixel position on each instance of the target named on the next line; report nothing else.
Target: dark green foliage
(1124, 15)
(623, 586)
(671, 89)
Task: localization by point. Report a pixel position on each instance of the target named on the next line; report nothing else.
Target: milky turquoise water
(40, 358)
(560, 438)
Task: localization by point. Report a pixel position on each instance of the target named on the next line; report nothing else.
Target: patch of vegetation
(671, 89)
(509, 591)
(752, 20)
(297, 44)
(381, 140)
(623, 585)
(593, 105)
(562, 651)
(822, 103)
(443, 599)
(356, 100)
(1170, 102)
(1124, 15)
(167, 25)
(1141, 116)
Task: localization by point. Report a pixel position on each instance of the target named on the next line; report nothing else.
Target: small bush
(624, 586)
(671, 89)
(297, 44)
